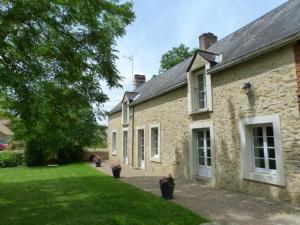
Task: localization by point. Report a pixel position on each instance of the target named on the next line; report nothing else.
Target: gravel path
(225, 207)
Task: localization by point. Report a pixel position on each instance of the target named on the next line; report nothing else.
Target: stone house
(229, 115)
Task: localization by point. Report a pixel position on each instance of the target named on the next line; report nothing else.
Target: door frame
(123, 130)
(137, 147)
(193, 154)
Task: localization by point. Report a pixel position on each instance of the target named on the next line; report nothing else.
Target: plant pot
(116, 172)
(167, 190)
(98, 163)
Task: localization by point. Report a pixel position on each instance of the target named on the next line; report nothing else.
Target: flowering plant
(167, 180)
(97, 158)
(116, 166)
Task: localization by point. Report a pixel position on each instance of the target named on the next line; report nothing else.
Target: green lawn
(79, 195)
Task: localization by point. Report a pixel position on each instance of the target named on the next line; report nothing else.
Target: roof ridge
(250, 23)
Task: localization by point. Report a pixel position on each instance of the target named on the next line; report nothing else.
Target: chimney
(139, 80)
(206, 40)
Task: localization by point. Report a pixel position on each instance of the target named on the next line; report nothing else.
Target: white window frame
(193, 93)
(113, 146)
(193, 154)
(125, 108)
(127, 130)
(137, 146)
(247, 156)
(154, 158)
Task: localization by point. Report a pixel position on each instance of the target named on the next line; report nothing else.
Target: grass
(79, 195)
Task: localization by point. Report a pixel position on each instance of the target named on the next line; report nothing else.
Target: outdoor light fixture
(247, 87)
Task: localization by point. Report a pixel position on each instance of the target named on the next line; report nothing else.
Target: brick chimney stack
(139, 80)
(206, 40)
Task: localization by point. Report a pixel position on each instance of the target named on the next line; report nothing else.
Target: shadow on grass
(94, 199)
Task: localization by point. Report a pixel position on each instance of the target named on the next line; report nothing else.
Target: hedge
(11, 158)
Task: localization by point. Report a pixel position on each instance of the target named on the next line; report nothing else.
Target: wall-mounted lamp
(247, 87)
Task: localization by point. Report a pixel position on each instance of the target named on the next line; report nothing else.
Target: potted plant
(116, 170)
(98, 160)
(167, 185)
(91, 157)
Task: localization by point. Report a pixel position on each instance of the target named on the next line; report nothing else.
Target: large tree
(174, 56)
(53, 56)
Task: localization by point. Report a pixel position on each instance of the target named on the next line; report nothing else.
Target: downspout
(132, 141)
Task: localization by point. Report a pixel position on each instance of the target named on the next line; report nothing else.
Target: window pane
(201, 161)
(200, 143)
(200, 134)
(208, 134)
(272, 164)
(208, 143)
(201, 104)
(259, 152)
(260, 163)
(270, 142)
(257, 132)
(200, 82)
(271, 152)
(208, 153)
(208, 161)
(270, 131)
(201, 152)
(258, 142)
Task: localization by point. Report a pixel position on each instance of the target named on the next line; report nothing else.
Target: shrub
(34, 155)
(11, 158)
(70, 153)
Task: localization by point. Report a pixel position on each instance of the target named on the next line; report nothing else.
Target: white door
(141, 148)
(125, 147)
(203, 148)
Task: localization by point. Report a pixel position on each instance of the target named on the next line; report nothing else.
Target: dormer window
(199, 91)
(199, 80)
(125, 113)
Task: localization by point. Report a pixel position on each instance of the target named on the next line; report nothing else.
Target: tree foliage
(53, 56)
(174, 56)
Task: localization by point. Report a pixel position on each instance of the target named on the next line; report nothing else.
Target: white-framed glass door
(203, 152)
(125, 147)
(141, 148)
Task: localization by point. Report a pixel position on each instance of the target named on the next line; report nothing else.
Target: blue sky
(163, 24)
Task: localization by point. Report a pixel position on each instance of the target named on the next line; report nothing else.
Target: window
(203, 147)
(261, 149)
(141, 147)
(155, 142)
(199, 91)
(201, 151)
(125, 146)
(125, 113)
(113, 143)
(264, 149)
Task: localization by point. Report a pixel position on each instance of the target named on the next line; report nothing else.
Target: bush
(34, 155)
(11, 158)
(70, 154)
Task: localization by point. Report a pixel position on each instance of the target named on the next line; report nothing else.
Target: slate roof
(281, 23)
(167, 81)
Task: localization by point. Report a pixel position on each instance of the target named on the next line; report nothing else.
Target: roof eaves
(256, 52)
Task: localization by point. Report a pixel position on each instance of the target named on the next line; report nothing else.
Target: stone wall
(274, 91)
(114, 124)
(170, 111)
